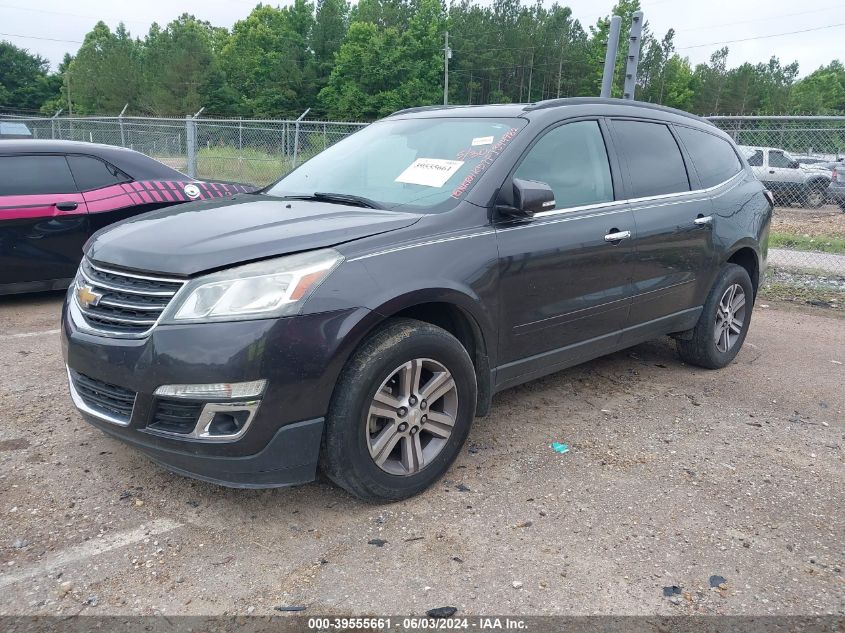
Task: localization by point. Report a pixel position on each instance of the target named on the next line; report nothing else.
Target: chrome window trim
(639, 201)
(80, 404)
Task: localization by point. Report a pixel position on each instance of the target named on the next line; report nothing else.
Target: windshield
(425, 163)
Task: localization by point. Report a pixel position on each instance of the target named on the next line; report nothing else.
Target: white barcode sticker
(430, 172)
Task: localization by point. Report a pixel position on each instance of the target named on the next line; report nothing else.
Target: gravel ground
(677, 479)
(828, 220)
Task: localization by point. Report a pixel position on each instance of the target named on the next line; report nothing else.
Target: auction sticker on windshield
(430, 172)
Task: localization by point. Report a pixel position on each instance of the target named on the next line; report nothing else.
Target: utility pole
(610, 56)
(447, 55)
(633, 56)
(559, 71)
(69, 101)
(530, 75)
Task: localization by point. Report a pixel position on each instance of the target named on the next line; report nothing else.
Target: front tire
(401, 411)
(721, 329)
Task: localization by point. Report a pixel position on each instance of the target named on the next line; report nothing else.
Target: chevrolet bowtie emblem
(87, 297)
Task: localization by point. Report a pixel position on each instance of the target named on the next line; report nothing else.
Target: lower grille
(101, 396)
(172, 416)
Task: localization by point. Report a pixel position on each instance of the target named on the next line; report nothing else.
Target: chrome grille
(129, 303)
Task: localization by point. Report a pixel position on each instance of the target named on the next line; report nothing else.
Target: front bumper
(300, 357)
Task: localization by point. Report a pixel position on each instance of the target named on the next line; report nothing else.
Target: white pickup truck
(789, 181)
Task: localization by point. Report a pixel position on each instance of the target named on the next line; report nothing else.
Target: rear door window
(779, 159)
(572, 160)
(655, 163)
(92, 173)
(714, 158)
(32, 175)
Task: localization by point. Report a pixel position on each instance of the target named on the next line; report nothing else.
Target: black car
(55, 194)
(358, 314)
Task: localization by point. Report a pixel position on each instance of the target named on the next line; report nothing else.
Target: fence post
(191, 145)
(191, 142)
(53, 123)
(296, 136)
(120, 120)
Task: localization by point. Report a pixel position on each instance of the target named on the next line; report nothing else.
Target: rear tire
(402, 408)
(815, 197)
(721, 329)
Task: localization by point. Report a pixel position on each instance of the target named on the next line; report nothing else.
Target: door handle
(703, 220)
(771, 171)
(616, 235)
(69, 205)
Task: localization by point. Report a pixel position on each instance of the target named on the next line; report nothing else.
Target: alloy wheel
(730, 318)
(411, 416)
(815, 198)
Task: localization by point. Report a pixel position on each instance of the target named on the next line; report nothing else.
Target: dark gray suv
(359, 313)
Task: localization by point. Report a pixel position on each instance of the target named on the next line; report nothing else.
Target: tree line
(363, 61)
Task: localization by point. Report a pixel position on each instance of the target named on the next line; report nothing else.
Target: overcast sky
(701, 25)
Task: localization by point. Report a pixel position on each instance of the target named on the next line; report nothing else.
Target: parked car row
(809, 182)
(55, 194)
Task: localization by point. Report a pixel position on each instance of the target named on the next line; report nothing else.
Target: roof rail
(427, 109)
(554, 103)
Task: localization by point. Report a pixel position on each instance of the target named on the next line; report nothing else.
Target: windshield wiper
(339, 198)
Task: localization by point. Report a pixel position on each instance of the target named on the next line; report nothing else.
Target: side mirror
(530, 197)
(794, 164)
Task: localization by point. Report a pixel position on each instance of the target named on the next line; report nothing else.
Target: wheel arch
(743, 254)
(461, 316)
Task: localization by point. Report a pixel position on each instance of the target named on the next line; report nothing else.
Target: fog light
(216, 390)
(228, 423)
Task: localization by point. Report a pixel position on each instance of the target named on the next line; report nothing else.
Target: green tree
(104, 76)
(382, 69)
(25, 82)
(267, 60)
(181, 73)
(822, 91)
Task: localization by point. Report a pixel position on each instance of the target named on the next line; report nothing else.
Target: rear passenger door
(43, 221)
(674, 249)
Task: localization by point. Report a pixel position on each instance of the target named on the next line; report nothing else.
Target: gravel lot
(828, 220)
(675, 475)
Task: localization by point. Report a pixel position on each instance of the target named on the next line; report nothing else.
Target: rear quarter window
(92, 173)
(33, 175)
(714, 158)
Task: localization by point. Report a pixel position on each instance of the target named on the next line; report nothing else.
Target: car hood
(200, 236)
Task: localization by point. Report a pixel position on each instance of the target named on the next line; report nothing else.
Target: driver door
(565, 289)
(43, 220)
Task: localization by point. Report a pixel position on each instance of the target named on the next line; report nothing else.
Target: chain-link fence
(798, 158)
(245, 150)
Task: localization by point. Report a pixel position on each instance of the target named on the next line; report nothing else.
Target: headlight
(270, 288)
